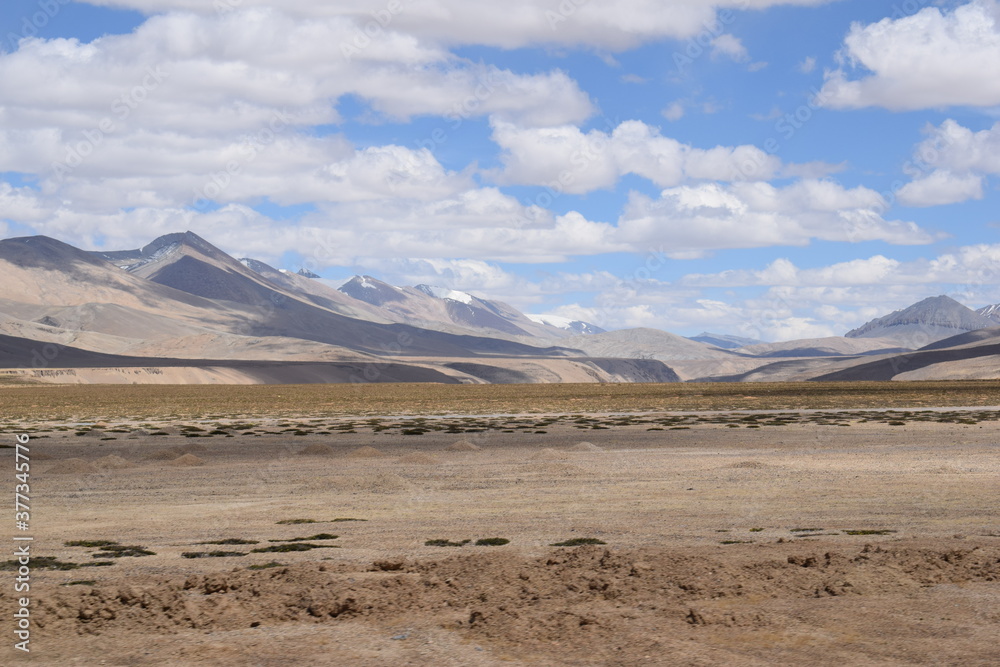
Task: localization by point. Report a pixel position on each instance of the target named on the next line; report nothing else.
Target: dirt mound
(418, 458)
(41, 457)
(193, 448)
(317, 450)
(187, 461)
(113, 462)
(72, 467)
(585, 447)
(164, 455)
(462, 446)
(365, 453)
(584, 605)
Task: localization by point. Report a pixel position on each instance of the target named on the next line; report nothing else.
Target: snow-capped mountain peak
(566, 323)
(445, 293)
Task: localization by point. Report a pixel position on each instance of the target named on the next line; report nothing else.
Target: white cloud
(731, 47)
(949, 166)
(673, 111)
(232, 72)
(941, 187)
(807, 65)
(782, 272)
(933, 58)
(974, 268)
(748, 215)
(513, 24)
(569, 160)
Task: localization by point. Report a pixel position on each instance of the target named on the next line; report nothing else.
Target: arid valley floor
(828, 536)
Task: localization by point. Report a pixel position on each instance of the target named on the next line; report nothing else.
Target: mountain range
(181, 310)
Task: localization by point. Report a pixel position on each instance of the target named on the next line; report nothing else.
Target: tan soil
(317, 450)
(419, 459)
(585, 447)
(549, 454)
(187, 461)
(165, 454)
(72, 467)
(113, 462)
(664, 590)
(365, 453)
(462, 446)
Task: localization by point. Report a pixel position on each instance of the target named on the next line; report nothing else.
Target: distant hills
(724, 341)
(932, 319)
(181, 310)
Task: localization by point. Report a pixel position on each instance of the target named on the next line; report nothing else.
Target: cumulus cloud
(934, 58)
(941, 187)
(748, 215)
(513, 24)
(969, 267)
(569, 160)
(951, 164)
(188, 73)
(730, 47)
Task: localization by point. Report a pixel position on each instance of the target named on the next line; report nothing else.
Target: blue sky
(770, 168)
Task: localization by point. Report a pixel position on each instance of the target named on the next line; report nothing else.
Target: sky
(773, 169)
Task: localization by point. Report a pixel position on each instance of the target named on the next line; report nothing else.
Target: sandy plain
(728, 540)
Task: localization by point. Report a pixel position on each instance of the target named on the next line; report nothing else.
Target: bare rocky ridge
(924, 322)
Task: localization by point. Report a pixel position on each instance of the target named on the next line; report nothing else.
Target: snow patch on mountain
(566, 323)
(445, 293)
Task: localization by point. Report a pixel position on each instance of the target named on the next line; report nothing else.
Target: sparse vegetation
(445, 543)
(492, 542)
(212, 554)
(319, 536)
(869, 532)
(231, 541)
(265, 566)
(121, 551)
(295, 546)
(90, 544)
(33, 402)
(295, 522)
(578, 542)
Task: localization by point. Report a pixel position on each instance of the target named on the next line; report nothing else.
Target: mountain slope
(449, 310)
(186, 262)
(567, 324)
(833, 346)
(645, 344)
(724, 341)
(991, 312)
(924, 322)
